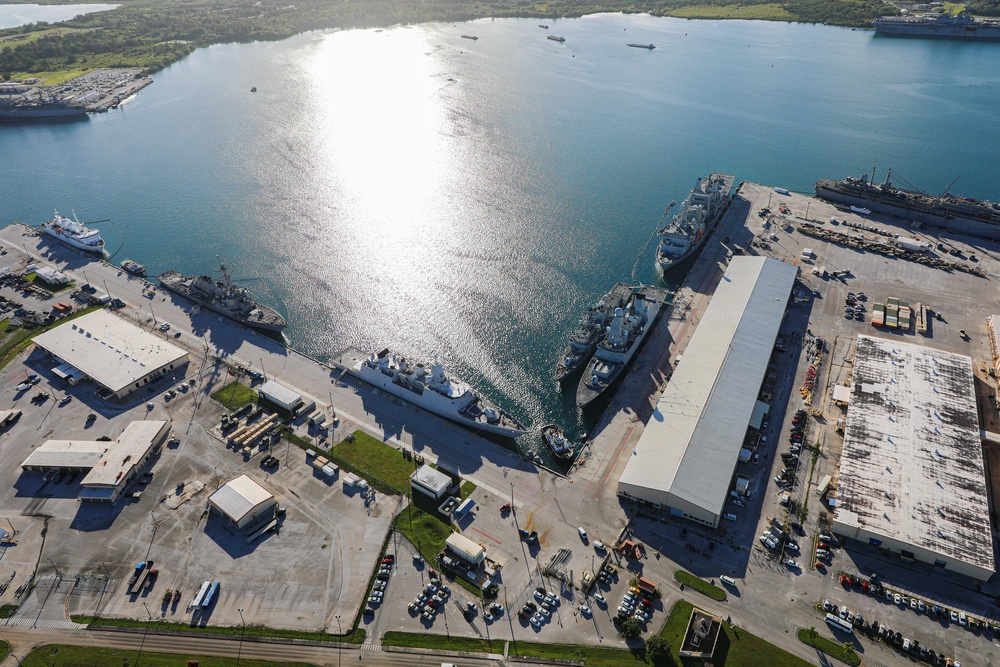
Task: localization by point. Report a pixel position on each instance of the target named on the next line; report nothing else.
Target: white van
(727, 580)
(730, 516)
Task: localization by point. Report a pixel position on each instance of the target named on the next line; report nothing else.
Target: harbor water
(464, 200)
(15, 15)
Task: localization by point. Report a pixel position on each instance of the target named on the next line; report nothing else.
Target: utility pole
(58, 574)
(340, 644)
(239, 651)
(143, 642)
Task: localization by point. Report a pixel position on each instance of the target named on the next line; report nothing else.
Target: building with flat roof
(114, 353)
(431, 482)
(466, 549)
(109, 465)
(278, 397)
(685, 459)
(243, 504)
(912, 476)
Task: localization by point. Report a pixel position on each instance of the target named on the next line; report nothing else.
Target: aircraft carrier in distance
(952, 212)
(940, 26)
(225, 298)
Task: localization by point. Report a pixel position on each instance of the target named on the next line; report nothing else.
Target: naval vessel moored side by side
(584, 340)
(958, 214)
(225, 298)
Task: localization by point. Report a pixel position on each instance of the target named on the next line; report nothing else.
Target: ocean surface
(15, 15)
(464, 201)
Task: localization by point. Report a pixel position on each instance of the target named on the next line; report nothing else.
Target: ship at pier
(700, 212)
(584, 340)
(74, 233)
(430, 388)
(938, 26)
(958, 214)
(225, 298)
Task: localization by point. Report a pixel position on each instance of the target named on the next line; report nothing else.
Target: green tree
(849, 650)
(658, 650)
(812, 631)
(631, 628)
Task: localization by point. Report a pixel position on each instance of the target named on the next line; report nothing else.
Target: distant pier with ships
(95, 92)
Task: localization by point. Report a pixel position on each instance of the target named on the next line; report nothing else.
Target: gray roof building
(687, 454)
(912, 476)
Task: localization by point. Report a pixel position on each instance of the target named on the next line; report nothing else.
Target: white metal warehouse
(912, 475)
(243, 504)
(686, 457)
(113, 352)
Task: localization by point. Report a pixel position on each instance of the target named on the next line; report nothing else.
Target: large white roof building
(686, 457)
(113, 352)
(243, 503)
(912, 476)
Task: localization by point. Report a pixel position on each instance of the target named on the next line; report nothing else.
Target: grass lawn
(426, 532)
(4, 650)
(382, 465)
(55, 78)
(235, 395)
(592, 656)
(66, 655)
(466, 489)
(828, 646)
(352, 637)
(736, 646)
(761, 12)
(700, 585)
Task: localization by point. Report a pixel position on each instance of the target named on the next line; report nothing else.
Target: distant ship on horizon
(938, 26)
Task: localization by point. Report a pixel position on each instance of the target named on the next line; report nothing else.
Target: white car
(599, 546)
(600, 599)
(585, 610)
(24, 386)
(791, 563)
(535, 621)
(544, 612)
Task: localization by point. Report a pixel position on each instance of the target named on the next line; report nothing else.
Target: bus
(837, 623)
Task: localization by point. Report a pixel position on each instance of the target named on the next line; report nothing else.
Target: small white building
(431, 482)
(279, 397)
(50, 276)
(243, 504)
(465, 549)
(114, 353)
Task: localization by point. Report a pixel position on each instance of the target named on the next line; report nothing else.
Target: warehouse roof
(238, 498)
(112, 351)
(691, 444)
(912, 467)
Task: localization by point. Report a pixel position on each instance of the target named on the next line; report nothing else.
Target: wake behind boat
(431, 389)
(74, 233)
(700, 212)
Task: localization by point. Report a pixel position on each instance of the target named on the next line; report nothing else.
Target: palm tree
(812, 631)
(849, 650)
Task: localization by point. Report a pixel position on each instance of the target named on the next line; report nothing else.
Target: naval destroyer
(960, 214)
(225, 298)
(584, 340)
(430, 388)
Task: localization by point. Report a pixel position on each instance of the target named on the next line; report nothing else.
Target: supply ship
(700, 212)
(431, 389)
(959, 214)
(583, 342)
(628, 329)
(74, 233)
(225, 298)
(940, 26)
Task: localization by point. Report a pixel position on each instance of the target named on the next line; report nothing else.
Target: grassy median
(352, 637)
(700, 585)
(71, 656)
(810, 637)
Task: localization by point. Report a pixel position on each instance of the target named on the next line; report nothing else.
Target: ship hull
(588, 395)
(94, 250)
(437, 405)
(902, 29)
(665, 263)
(615, 297)
(273, 330)
(909, 210)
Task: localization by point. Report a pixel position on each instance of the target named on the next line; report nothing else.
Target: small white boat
(553, 436)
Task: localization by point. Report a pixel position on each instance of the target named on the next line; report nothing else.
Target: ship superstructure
(960, 214)
(430, 388)
(699, 214)
(74, 233)
(584, 340)
(226, 298)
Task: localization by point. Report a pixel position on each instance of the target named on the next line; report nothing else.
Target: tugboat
(133, 267)
(553, 436)
(254, 89)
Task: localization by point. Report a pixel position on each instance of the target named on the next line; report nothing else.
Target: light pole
(239, 651)
(510, 621)
(54, 567)
(340, 644)
(143, 642)
(17, 658)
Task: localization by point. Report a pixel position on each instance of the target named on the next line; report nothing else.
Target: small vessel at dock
(556, 39)
(700, 212)
(74, 233)
(133, 267)
(626, 333)
(554, 438)
(584, 340)
(469, 37)
(433, 390)
(643, 46)
(543, 26)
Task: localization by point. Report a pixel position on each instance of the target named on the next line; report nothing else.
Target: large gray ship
(584, 340)
(225, 298)
(959, 214)
(940, 26)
